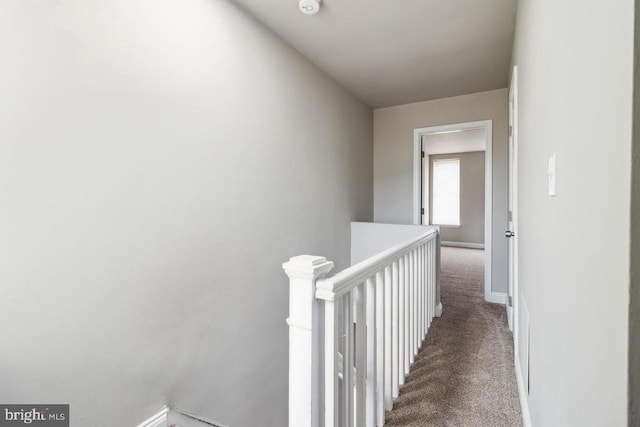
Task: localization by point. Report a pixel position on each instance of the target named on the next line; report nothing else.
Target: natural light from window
(446, 192)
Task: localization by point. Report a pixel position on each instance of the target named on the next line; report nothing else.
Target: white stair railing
(354, 336)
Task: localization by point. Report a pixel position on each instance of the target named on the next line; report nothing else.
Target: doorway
(430, 144)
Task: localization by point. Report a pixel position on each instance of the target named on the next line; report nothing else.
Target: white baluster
(304, 339)
(388, 402)
(416, 319)
(431, 274)
(417, 267)
(425, 323)
(412, 309)
(437, 308)
(407, 314)
(360, 354)
(419, 299)
(401, 331)
(434, 279)
(420, 295)
(371, 352)
(380, 348)
(347, 361)
(429, 299)
(331, 384)
(425, 297)
(438, 304)
(425, 270)
(394, 329)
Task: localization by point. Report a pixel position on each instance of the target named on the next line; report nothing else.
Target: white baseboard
(157, 420)
(181, 418)
(496, 297)
(168, 416)
(463, 245)
(524, 401)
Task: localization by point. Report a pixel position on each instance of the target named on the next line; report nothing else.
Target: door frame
(519, 312)
(421, 183)
(512, 287)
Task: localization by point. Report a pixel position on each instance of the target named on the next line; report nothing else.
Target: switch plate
(551, 174)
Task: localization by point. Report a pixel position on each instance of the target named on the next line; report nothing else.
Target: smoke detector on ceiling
(309, 7)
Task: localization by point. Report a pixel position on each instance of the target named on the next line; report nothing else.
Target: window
(446, 192)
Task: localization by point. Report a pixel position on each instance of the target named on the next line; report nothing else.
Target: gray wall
(371, 238)
(575, 100)
(393, 160)
(158, 165)
(471, 228)
(634, 304)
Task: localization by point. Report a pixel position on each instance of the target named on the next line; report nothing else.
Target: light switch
(551, 175)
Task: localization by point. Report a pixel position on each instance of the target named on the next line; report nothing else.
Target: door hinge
(423, 154)
(422, 211)
(510, 130)
(510, 301)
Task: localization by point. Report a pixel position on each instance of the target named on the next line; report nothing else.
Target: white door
(517, 311)
(511, 234)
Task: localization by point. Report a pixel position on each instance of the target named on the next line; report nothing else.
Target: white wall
(393, 160)
(368, 238)
(460, 141)
(159, 161)
(634, 305)
(575, 64)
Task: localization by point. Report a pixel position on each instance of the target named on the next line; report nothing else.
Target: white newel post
(304, 339)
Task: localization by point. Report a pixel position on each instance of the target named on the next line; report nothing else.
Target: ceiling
(391, 52)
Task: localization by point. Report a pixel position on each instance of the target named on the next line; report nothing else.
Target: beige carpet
(464, 375)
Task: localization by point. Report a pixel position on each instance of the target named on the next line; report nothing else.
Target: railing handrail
(330, 288)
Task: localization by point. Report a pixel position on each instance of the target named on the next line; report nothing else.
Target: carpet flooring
(464, 374)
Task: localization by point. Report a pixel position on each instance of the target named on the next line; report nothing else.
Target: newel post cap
(307, 266)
